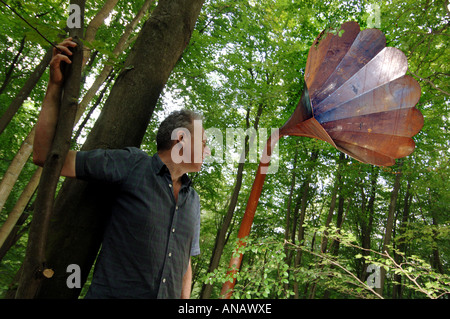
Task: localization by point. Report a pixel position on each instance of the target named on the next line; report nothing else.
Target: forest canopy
(326, 224)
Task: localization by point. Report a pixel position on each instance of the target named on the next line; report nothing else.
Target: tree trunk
(398, 288)
(220, 238)
(35, 268)
(95, 23)
(287, 231)
(336, 187)
(21, 212)
(437, 263)
(14, 169)
(25, 90)
(81, 208)
(389, 225)
(92, 109)
(339, 220)
(12, 66)
(367, 222)
(19, 207)
(304, 200)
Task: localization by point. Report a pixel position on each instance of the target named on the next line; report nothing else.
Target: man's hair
(182, 118)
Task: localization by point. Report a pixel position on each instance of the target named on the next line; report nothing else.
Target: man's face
(191, 149)
(199, 149)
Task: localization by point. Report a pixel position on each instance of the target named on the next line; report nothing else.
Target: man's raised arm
(48, 118)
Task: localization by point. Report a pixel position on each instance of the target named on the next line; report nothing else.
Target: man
(155, 220)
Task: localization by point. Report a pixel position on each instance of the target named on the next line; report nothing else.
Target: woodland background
(323, 218)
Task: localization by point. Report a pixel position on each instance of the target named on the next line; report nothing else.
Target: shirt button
(176, 207)
(170, 254)
(170, 185)
(173, 230)
(164, 280)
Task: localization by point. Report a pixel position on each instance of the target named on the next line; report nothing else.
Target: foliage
(268, 274)
(264, 277)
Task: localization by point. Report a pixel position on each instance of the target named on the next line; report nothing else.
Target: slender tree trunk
(339, 220)
(25, 91)
(323, 247)
(81, 208)
(14, 169)
(12, 66)
(336, 187)
(397, 289)
(367, 222)
(437, 263)
(35, 268)
(95, 23)
(334, 247)
(304, 201)
(24, 205)
(287, 229)
(389, 225)
(221, 235)
(19, 207)
(92, 109)
(298, 204)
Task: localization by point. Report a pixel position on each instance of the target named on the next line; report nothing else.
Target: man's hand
(60, 55)
(46, 125)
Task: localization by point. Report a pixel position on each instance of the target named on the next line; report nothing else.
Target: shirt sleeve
(112, 166)
(195, 246)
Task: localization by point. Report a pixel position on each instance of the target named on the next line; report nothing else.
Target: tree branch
(429, 82)
(33, 27)
(35, 269)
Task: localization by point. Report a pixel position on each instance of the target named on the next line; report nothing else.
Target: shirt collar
(160, 169)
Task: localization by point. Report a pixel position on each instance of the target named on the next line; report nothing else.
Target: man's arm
(187, 282)
(48, 118)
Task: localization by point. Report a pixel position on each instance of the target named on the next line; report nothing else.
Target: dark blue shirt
(149, 238)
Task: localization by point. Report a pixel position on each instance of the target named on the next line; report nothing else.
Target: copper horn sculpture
(357, 98)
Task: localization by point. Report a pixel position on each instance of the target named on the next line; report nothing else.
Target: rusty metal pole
(247, 221)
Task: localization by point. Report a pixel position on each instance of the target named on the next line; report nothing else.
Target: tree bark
(390, 224)
(81, 208)
(35, 268)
